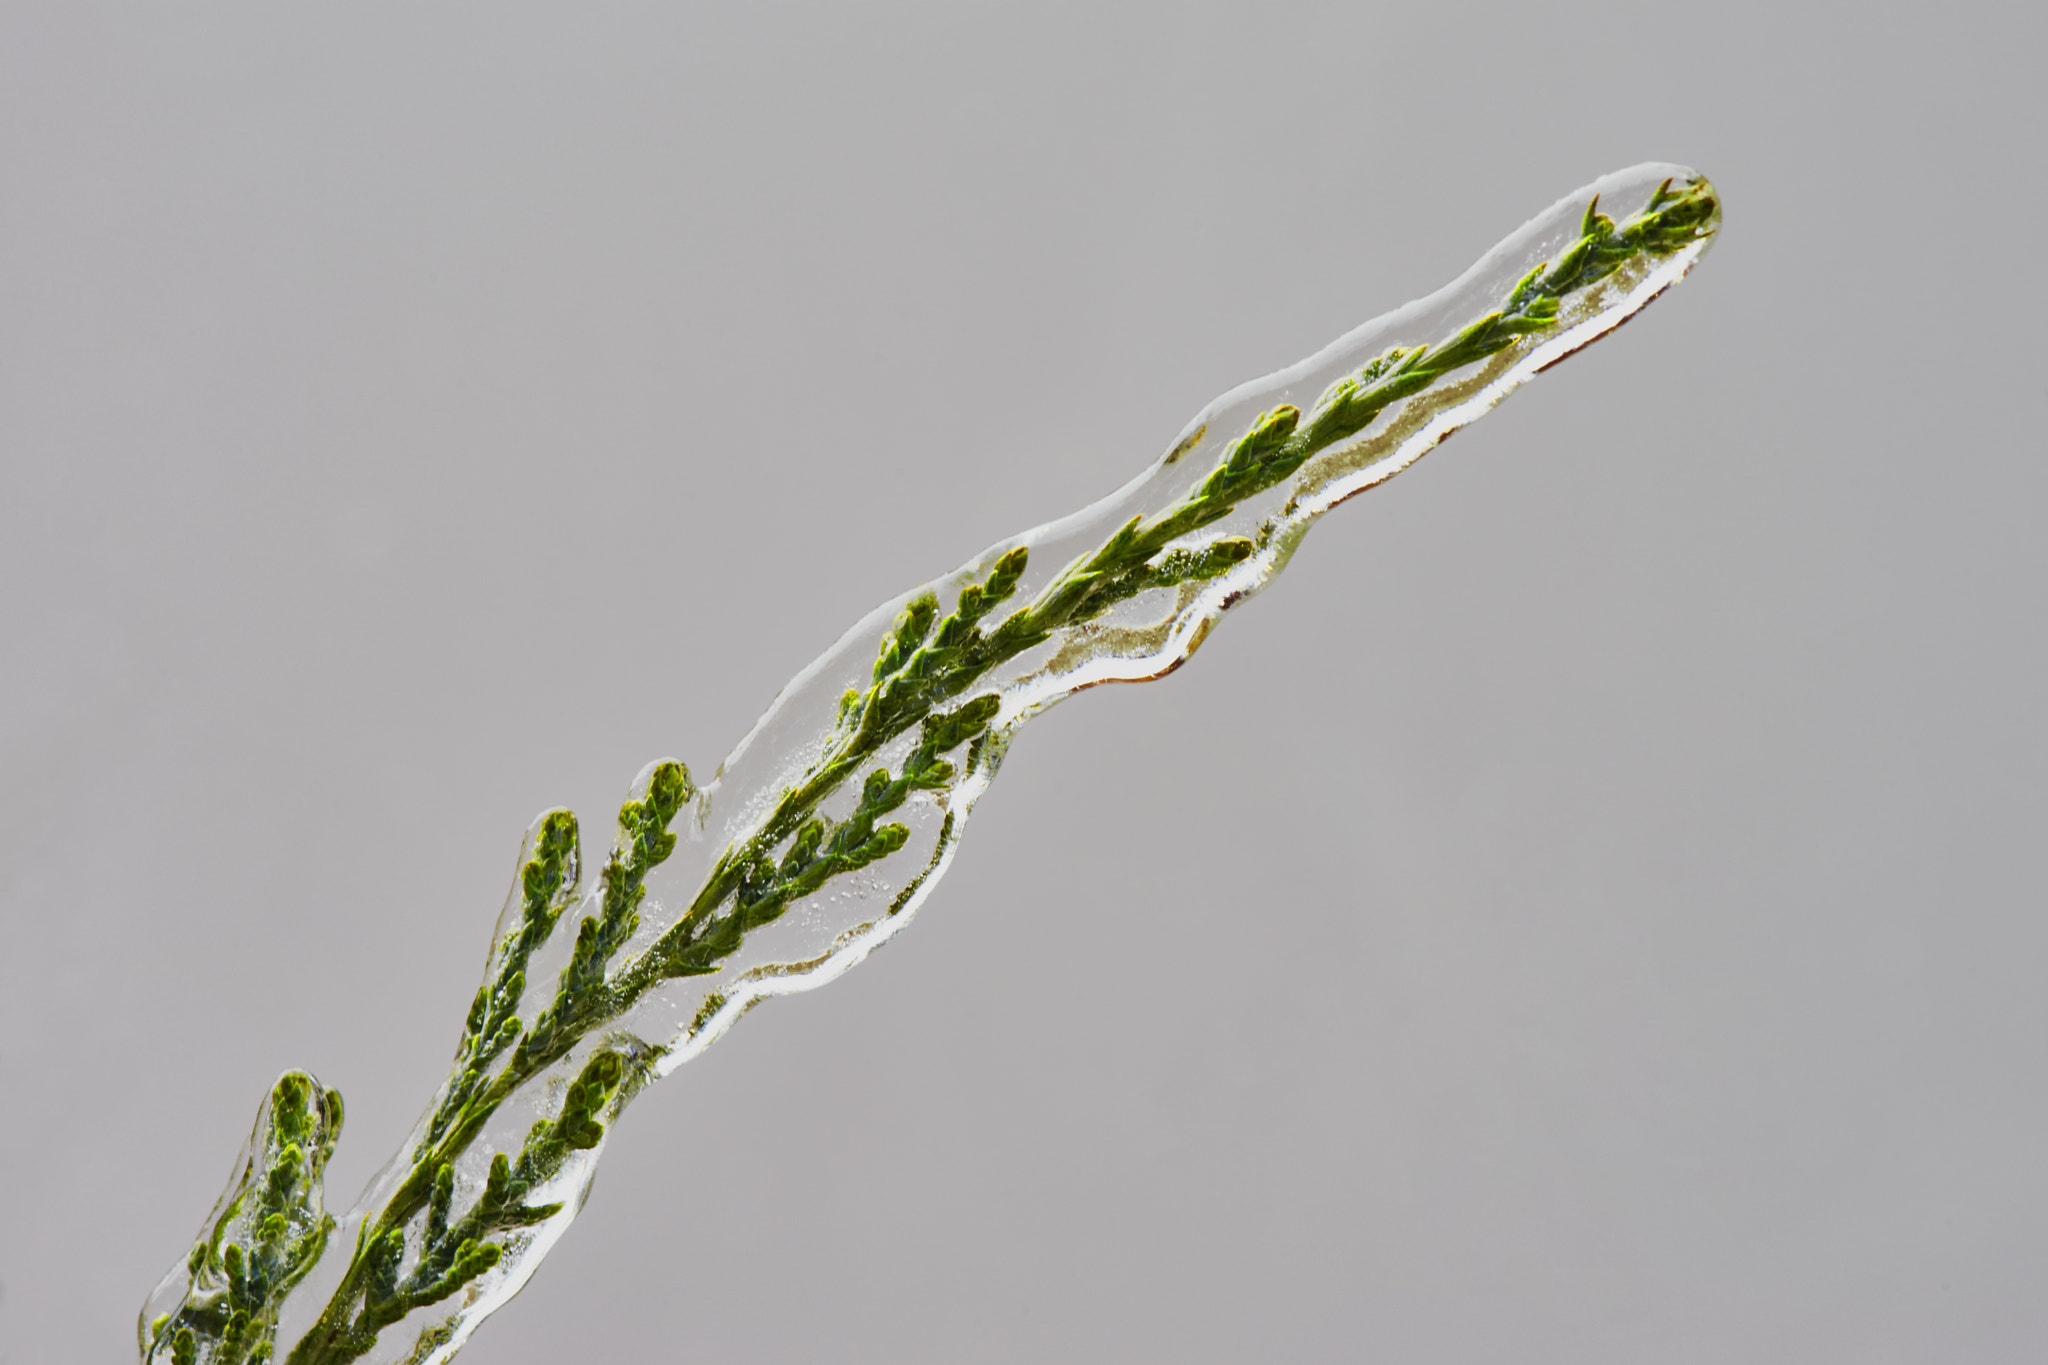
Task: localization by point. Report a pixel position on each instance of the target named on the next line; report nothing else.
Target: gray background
(412, 417)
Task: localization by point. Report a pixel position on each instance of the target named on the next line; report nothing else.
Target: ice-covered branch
(838, 812)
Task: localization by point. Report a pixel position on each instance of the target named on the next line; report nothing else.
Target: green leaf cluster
(453, 1253)
(927, 658)
(547, 882)
(271, 1228)
(453, 1250)
(643, 843)
(823, 849)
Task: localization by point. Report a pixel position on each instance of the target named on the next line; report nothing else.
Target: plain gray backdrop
(412, 417)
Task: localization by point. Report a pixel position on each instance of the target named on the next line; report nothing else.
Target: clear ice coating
(838, 812)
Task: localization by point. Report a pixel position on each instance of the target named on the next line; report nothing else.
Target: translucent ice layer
(836, 815)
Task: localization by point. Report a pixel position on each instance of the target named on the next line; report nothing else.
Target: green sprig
(453, 1252)
(547, 883)
(271, 1230)
(643, 843)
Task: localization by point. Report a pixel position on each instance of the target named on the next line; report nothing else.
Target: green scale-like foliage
(547, 882)
(452, 1253)
(450, 1250)
(269, 1230)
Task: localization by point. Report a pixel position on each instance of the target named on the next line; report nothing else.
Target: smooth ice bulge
(837, 814)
